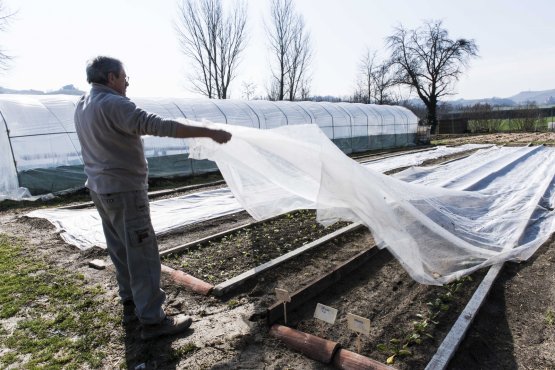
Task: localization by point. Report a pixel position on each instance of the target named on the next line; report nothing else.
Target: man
(109, 127)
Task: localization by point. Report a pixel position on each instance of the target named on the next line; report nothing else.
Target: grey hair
(99, 68)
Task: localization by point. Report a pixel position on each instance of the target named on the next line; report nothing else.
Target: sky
(51, 42)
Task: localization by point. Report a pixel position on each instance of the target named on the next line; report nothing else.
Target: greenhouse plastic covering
(448, 222)
(40, 152)
(83, 228)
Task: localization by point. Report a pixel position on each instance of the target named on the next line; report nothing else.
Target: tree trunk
(432, 116)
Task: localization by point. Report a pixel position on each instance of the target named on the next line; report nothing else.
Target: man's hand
(220, 136)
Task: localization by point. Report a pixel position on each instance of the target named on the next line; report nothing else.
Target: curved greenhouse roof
(39, 149)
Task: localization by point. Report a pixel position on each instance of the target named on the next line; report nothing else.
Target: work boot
(129, 315)
(169, 326)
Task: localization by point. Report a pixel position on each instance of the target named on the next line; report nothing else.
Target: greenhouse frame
(40, 151)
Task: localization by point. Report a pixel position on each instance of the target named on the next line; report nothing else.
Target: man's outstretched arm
(186, 131)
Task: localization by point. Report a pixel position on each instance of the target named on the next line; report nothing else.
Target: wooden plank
(190, 245)
(298, 298)
(455, 336)
(185, 188)
(153, 193)
(227, 285)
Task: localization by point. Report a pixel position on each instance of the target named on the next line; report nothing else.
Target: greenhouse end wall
(40, 150)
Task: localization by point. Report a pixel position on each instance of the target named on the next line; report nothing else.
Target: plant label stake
(360, 325)
(284, 297)
(325, 314)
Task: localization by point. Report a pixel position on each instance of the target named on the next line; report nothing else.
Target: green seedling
(232, 303)
(423, 328)
(394, 349)
(550, 317)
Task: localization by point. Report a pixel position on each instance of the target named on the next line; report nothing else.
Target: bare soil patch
(520, 138)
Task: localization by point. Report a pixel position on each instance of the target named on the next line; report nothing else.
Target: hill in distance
(545, 97)
(66, 90)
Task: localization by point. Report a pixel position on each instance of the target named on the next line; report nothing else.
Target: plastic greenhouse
(39, 149)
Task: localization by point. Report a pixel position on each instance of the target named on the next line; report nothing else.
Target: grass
(508, 125)
(59, 324)
(550, 317)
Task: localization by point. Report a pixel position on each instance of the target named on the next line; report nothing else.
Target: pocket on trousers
(142, 205)
(140, 232)
(110, 201)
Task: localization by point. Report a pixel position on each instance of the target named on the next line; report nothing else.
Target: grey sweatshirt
(109, 127)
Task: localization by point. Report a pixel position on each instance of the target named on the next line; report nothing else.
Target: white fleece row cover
(448, 221)
(83, 228)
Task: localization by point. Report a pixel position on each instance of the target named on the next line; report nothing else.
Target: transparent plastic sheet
(83, 228)
(183, 210)
(17, 194)
(415, 159)
(497, 212)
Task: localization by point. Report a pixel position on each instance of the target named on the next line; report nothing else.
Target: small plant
(232, 303)
(183, 351)
(550, 317)
(423, 327)
(394, 349)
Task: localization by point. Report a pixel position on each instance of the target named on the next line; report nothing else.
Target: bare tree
(305, 89)
(5, 18)
(299, 58)
(249, 89)
(375, 80)
(213, 42)
(484, 118)
(384, 79)
(528, 118)
(366, 81)
(429, 61)
(290, 44)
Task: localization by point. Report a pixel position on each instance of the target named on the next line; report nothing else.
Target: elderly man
(109, 127)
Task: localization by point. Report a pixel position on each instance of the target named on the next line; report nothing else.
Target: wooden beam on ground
(455, 336)
(184, 188)
(188, 281)
(190, 245)
(232, 283)
(298, 298)
(153, 193)
(312, 346)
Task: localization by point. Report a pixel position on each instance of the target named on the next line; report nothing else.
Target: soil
(514, 329)
(522, 138)
(221, 259)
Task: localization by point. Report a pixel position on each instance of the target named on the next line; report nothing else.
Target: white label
(358, 324)
(325, 313)
(283, 295)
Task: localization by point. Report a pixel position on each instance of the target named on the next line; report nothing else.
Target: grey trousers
(133, 249)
